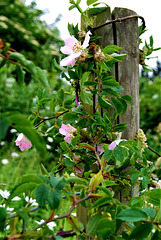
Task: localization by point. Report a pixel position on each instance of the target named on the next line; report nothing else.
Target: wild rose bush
(95, 165)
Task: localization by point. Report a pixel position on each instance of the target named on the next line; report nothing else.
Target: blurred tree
(22, 26)
(22, 29)
(150, 110)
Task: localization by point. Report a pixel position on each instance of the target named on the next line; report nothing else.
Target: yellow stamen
(77, 47)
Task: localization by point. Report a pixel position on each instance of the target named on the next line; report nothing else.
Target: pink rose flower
(115, 143)
(74, 49)
(68, 131)
(112, 145)
(23, 142)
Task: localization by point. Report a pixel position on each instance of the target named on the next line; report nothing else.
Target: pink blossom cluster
(112, 145)
(23, 142)
(68, 131)
(74, 49)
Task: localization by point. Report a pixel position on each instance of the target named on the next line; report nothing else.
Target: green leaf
(58, 237)
(70, 27)
(107, 155)
(23, 125)
(57, 182)
(87, 146)
(91, 227)
(75, 179)
(41, 194)
(85, 78)
(91, 83)
(101, 202)
(43, 101)
(128, 99)
(145, 182)
(116, 104)
(2, 62)
(104, 67)
(103, 103)
(111, 48)
(130, 144)
(64, 145)
(154, 197)
(146, 69)
(31, 178)
(124, 105)
(43, 170)
(95, 11)
(150, 212)
(136, 202)
(56, 66)
(118, 57)
(22, 188)
(120, 127)
(20, 75)
(120, 153)
(54, 197)
(72, 74)
(4, 126)
(109, 183)
(78, 1)
(141, 231)
(75, 140)
(89, 2)
(86, 97)
(42, 77)
(37, 73)
(132, 215)
(109, 91)
(96, 180)
(60, 95)
(18, 57)
(106, 117)
(67, 162)
(134, 177)
(70, 117)
(110, 83)
(3, 216)
(105, 228)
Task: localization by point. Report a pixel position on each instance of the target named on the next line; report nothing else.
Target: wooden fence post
(125, 35)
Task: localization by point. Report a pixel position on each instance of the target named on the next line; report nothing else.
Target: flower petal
(66, 50)
(63, 129)
(68, 138)
(23, 142)
(70, 42)
(112, 145)
(67, 61)
(86, 40)
(70, 59)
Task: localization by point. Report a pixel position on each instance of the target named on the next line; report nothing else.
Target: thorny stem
(76, 93)
(6, 58)
(154, 151)
(49, 118)
(64, 215)
(38, 112)
(99, 161)
(119, 20)
(59, 170)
